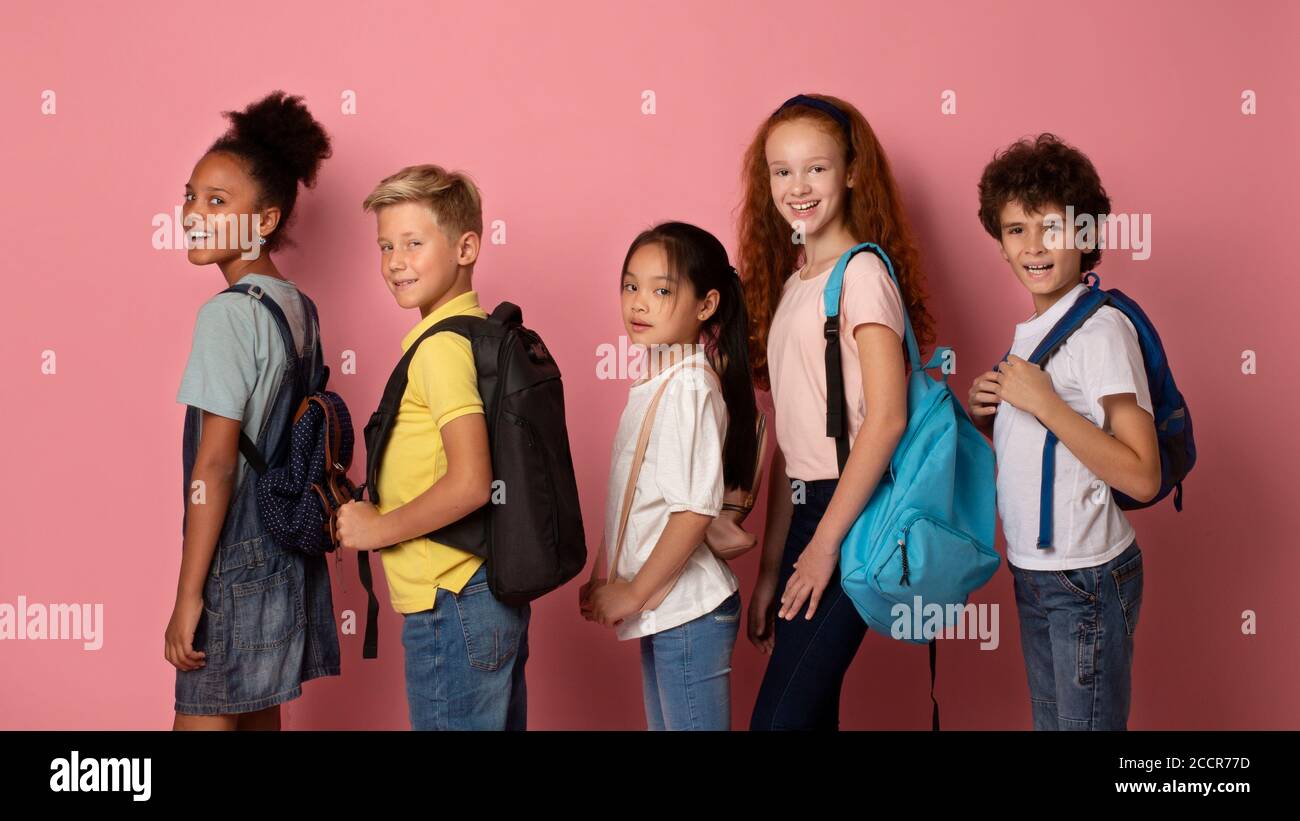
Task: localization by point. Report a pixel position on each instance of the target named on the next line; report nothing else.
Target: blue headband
(833, 111)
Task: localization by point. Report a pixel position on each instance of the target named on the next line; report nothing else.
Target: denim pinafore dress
(268, 614)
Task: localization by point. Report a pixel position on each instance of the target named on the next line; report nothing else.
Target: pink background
(541, 103)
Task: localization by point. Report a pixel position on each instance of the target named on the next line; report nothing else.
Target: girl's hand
(584, 597)
(762, 612)
(811, 575)
(1024, 385)
(985, 394)
(178, 642)
(613, 602)
(357, 526)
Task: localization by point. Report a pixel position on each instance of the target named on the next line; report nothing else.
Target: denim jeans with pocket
(465, 661)
(1076, 631)
(686, 671)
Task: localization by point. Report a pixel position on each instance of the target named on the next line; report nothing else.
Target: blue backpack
(1172, 418)
(926, 534)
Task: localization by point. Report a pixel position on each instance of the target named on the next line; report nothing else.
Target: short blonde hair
(451, 195)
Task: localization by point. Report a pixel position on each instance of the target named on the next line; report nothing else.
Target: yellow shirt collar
(463, 304)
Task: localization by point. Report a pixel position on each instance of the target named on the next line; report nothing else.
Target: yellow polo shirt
(442, 385)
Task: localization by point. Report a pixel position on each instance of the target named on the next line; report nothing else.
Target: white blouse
(682, 470)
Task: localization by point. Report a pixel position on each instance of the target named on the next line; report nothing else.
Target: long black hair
(282, 145)
(696, 255)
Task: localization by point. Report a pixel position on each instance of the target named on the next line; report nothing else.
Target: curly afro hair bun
(282, 145)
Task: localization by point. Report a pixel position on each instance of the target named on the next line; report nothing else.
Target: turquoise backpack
(927, 530)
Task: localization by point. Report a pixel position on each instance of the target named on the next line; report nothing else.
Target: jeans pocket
(1128, 586)
(492, 629)
(1081, 582)
(268, 612)
(729, 610)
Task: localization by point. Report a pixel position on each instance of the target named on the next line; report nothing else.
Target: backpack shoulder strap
(246, 445)
(836, 414)
(1083, 308)
(397, 381)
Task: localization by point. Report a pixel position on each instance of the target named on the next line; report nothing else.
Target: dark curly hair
(1039, 174)
(282, 145)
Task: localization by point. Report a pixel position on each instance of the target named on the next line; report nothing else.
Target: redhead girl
(252, 620)
(817, 183)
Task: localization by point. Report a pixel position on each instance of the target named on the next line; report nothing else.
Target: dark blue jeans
(1076, 631)
(801, 688)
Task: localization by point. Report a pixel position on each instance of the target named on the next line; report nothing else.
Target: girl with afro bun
(252, 621)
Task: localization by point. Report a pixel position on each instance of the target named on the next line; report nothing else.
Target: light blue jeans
(465, 661)
(1076, 631)
(686, 671)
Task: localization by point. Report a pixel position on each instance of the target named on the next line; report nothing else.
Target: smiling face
(656, 310)
(421, 266)
(809, 177)
(1031, 246)
(219, 210)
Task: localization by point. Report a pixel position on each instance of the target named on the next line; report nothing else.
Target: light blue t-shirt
(237, 359)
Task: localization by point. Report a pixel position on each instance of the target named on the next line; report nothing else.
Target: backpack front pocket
(929, 558)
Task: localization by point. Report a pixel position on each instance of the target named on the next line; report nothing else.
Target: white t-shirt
(1102, 358)
(682, 470)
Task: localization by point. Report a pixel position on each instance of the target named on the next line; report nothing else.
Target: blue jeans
(465, 661)
(1076, 631)
(686, 671)
(801, 687)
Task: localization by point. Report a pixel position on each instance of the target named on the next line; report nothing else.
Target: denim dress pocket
(268, 611)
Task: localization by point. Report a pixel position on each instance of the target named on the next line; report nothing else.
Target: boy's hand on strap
(358, 528)
(1025, 386)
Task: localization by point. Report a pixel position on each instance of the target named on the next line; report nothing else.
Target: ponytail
(731, 358)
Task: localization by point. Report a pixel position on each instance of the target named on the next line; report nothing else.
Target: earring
(261, 240)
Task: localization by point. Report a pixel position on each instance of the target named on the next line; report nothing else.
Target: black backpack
(300, 488)
(533, 540)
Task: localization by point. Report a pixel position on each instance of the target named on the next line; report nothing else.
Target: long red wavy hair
(873, 212)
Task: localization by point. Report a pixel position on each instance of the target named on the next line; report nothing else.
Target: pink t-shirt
(796, 360)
